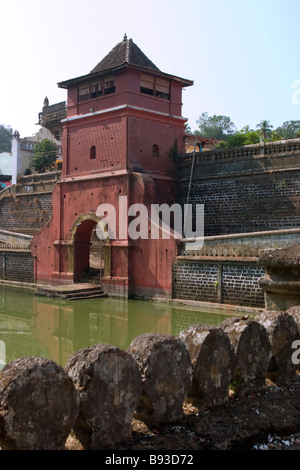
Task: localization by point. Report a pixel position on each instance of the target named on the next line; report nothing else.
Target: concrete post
(16, 155)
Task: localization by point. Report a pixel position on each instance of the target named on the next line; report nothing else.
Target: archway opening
(91, 255)
(82, 241)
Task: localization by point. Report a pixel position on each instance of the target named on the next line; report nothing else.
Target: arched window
(155, 151)
(92, 152)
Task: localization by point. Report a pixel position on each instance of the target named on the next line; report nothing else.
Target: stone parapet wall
(244, 159)
(13, 238)
(37, 182)
(250, 245)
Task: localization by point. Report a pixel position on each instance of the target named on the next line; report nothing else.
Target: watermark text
(158, 221)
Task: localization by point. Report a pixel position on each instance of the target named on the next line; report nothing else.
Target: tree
(215, 127)
(265, 130)
(6, 134)
(188, 129)
(289, 130)
(44, 156)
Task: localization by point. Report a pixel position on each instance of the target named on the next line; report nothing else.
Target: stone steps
(72, 291)
(91, 294)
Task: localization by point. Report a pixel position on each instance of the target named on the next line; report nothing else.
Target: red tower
(123, 119)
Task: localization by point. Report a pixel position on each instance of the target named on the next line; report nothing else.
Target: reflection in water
(38, 326)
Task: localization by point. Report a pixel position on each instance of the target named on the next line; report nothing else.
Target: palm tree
(265, 129)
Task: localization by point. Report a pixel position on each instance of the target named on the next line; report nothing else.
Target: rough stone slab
(252, 349)
(212, 358)
(38, 405)
(295, 313)
(282, 330)
(109, 385)
(166, 371)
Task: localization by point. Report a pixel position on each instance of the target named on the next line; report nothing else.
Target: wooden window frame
(155, 86)
(96, 88)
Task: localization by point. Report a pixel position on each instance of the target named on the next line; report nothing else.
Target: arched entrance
(91, 256)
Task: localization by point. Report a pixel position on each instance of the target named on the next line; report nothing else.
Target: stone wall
(27, 206)
(16, 265)
(244, 189)
(227, 282)
(25, 213)
(225, 269)
(252, 191)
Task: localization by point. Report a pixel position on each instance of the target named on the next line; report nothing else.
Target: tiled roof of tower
(125, 52)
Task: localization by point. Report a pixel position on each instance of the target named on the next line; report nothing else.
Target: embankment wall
(243, 189)
(251, 198)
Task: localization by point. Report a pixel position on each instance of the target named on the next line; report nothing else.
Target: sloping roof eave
(66, 83)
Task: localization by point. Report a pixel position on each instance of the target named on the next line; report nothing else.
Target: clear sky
(243, 55)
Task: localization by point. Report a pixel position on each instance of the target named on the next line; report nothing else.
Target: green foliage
(234, 386)
(44, 156)
(289, 130)
(173, 152)
(6, 134)
(223, 129)
(215, 127)
(265, 130)
(245, 136)
(222, 144)
(275, 136)
(188, 129)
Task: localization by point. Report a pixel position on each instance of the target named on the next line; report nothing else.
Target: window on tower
(96, 87)
(155, 86)
(155, 151)
(109, 85)
(162, 88)
(93, 152)
(83, 92)
(147, 84)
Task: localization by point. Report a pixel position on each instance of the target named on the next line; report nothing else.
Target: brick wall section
(244, 189)
(233, 283)
(26, 213)
(16, 266)
(195, 281)
(240, 285)
(246, 204)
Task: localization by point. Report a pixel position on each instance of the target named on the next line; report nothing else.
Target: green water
(37, 326)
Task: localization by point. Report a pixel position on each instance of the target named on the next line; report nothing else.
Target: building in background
(5, 169)
(51, 116)
(23, 151)
(197, 143)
